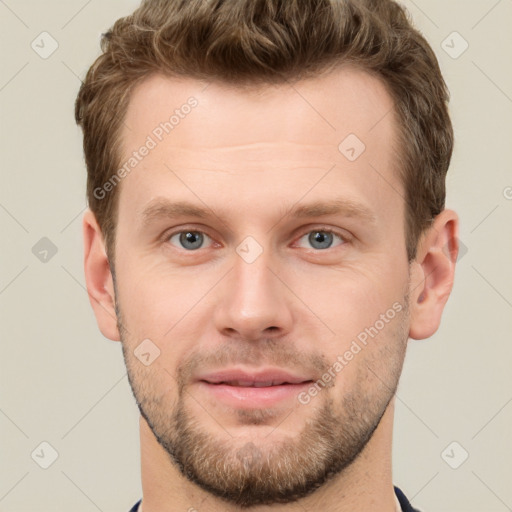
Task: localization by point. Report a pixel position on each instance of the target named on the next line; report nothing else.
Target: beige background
(62, 383)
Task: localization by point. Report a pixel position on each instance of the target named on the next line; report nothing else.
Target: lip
(259, 394)
(274, 375)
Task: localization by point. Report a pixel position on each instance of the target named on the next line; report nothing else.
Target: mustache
(252, 354)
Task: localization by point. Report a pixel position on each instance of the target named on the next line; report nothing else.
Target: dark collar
(404, 502)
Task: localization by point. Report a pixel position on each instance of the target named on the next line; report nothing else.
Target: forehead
(347, 100)
(270, 140)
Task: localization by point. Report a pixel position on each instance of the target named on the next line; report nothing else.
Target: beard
(262, 471)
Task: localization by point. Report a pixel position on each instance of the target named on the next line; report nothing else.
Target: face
(264, 264)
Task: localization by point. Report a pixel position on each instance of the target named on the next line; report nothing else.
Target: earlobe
(432, 274)
(98, 277)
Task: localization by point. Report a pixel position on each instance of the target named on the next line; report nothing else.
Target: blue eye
(189, 240)
(318, 239)
(322, 239)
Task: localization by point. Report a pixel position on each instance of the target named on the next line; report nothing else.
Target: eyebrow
(161, 208)
(344, 207)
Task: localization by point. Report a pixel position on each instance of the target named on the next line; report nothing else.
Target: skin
(250, 157)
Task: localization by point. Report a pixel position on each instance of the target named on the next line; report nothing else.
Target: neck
(365, 485)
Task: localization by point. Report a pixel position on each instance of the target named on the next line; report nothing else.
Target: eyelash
(344, 238)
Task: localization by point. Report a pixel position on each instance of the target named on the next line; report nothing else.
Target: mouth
(256, 384)
(266, 388)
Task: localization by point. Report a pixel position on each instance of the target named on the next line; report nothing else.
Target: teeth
(263, 384)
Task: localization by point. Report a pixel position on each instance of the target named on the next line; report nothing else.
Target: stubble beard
(275, 468)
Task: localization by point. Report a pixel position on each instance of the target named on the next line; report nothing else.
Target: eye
(189, 240)
(321, 239)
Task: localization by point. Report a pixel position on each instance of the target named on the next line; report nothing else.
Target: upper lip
(269, 376)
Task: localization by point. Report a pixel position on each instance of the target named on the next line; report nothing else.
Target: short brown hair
(243, 42)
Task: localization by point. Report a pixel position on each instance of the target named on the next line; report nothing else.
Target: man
(266, 181)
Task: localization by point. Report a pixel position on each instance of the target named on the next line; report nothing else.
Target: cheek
(157, 302)
(352, 298)
(369, 356)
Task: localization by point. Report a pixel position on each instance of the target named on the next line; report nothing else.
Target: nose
(252, 302)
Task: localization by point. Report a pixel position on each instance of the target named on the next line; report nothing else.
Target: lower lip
(246, 397)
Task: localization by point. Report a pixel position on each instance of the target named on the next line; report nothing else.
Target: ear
(98, 277)
(432, 274)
